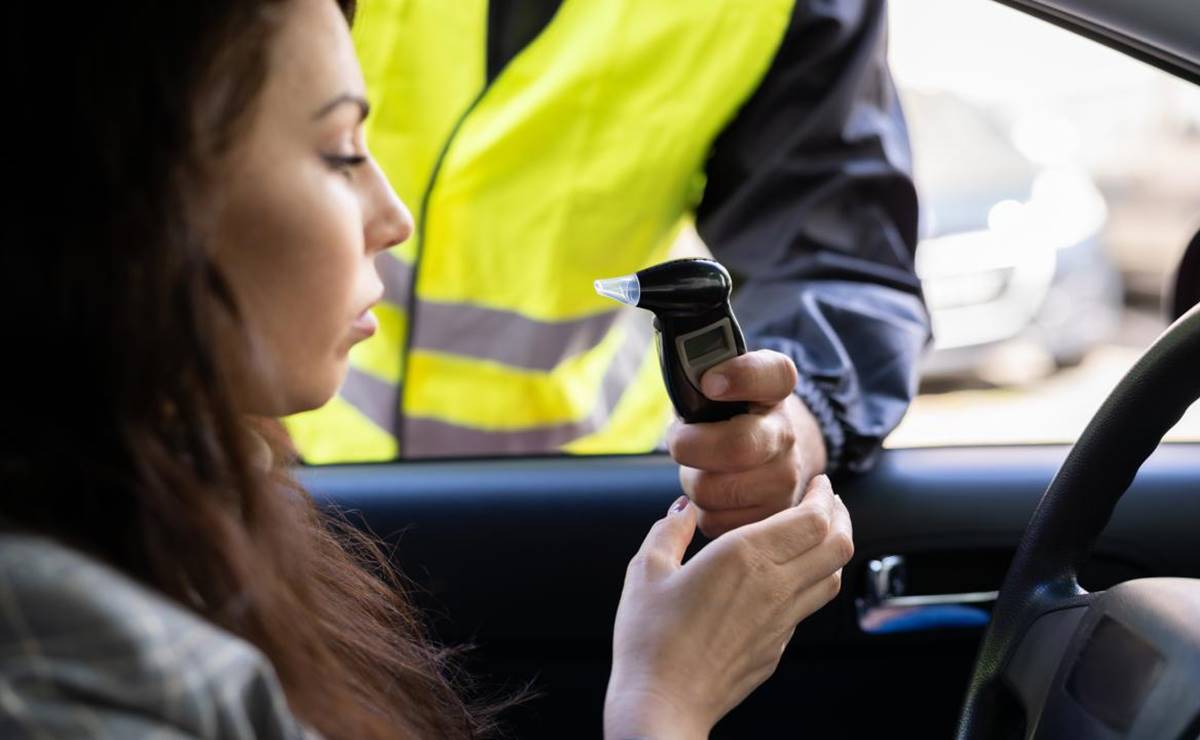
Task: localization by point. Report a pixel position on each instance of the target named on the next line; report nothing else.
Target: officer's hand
(754, 465)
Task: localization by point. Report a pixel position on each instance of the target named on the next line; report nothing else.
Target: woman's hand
(691, 641)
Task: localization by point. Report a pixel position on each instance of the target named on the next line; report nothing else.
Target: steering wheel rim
(1077, 505)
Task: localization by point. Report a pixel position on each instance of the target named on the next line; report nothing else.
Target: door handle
(885, 607)
(970, 597)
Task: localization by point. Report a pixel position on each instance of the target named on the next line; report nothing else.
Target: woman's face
(302, 213)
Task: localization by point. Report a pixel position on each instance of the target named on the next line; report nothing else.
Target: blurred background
(1060, 183)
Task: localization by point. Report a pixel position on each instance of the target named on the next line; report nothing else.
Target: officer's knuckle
(674, 445)
(843, 545)
(833, 584)
(735, 492)
(786, 436)
(706, 490)
(788, 374)
(745, 449)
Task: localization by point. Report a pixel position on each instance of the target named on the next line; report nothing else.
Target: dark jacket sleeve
(810, 203)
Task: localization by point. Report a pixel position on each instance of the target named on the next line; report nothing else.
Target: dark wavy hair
(120, 435)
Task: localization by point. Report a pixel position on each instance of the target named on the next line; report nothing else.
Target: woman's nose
(389, 222)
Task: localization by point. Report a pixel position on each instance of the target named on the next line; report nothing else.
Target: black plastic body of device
(696, 329)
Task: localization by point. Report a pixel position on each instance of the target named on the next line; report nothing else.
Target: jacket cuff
(822, 410)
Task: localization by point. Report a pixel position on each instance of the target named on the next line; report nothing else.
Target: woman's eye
(345, 162)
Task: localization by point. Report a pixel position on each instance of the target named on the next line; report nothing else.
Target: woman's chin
(314, 398)
(288, 401)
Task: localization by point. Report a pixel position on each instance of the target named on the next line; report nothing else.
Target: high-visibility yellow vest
(581, 160)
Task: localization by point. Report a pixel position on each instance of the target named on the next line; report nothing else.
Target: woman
(211, 266)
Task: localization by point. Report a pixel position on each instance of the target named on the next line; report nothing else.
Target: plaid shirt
(87, 652)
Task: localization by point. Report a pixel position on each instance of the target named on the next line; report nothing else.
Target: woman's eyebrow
(363, 106)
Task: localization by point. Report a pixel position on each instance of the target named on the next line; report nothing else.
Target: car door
(524, 558)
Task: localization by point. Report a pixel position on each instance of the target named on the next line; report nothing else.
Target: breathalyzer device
(694, 325)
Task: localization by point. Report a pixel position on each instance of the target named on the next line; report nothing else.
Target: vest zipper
(489, 79)
(416, 269)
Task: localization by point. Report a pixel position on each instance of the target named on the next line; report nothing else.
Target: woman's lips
(365, 326)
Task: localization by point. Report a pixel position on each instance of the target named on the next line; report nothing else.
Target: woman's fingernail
(679, 505)
(715, 384)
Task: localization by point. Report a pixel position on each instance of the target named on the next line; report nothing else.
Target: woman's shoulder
(52, 591)
(85, 650)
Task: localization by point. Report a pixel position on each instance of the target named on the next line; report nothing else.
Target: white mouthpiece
(625, 289)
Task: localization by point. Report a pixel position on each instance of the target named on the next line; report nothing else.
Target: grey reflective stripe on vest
(379, 400)
(505, 337)
(491, 334)
(435, 438)
(376, 399)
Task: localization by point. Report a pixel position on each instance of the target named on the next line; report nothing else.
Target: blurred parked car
(1011, 257)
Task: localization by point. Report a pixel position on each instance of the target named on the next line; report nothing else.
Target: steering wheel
(1059, 662)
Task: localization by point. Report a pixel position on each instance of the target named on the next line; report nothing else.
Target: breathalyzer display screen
(703, 344)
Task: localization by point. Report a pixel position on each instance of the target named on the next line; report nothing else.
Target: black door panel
(525, 558)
